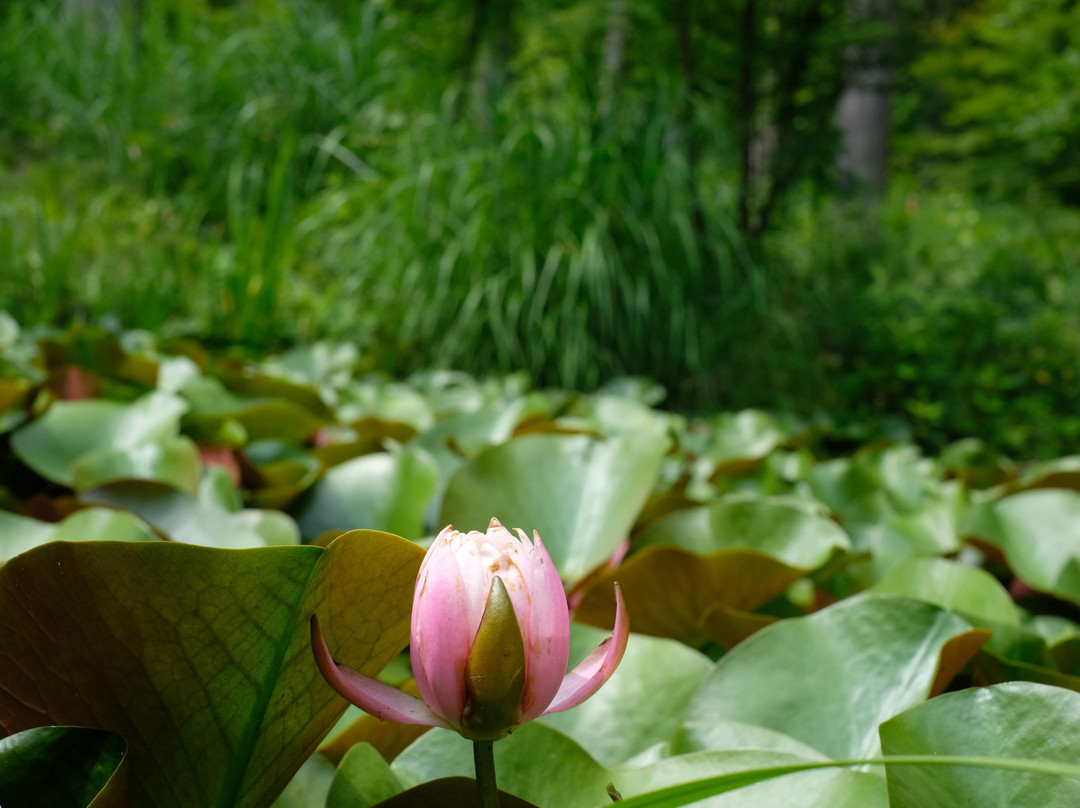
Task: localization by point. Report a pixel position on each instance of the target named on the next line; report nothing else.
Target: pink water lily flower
(490, 640)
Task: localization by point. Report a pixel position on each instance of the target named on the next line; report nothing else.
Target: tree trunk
(691, 81)
(747, 108)
(864, 112)
(614, 53)
(495, 23)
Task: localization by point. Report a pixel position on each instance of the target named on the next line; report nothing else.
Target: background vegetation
(579, 189)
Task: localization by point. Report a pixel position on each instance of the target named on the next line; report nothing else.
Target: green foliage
(994, 102)
(957, 316)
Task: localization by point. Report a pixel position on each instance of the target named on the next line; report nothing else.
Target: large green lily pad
(1012, 720)
(830, 678)
(213, 409)
(750, 787)
(526, 759)
(199, 658)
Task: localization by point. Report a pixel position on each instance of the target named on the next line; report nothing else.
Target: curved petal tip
(597, 667)
(370, 695)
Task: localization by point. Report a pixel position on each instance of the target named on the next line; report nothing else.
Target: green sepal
(494, 671)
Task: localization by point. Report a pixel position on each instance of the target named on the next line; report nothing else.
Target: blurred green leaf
(62, 767)
(51, 444)
(740, 440)
(448, 792)
(750, 787)
(582, 783)
(1061, 472)
(247, 382)
(197, 520)
(971, 591)
(1039, 534)
(281, 473)
(173, 461)
(363, 779)
(743, 771)
(581, 494)
(388, 738)
(21, 533)
(381, 491)
(212, 408)
(309, 786)
(1018, 653)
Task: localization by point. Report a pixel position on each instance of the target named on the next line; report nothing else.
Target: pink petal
(545, 628)
(597, 667)
(372, 696)
(441, 634)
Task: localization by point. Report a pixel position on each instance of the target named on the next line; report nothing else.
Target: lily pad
(279, 473)
(1039, 534)
(447, 792)
(363, 779)
(244, 382)
(582, 494)
(51, 444)
(1018, 653)
(1012, 720)
(580, 783)
(829, 679)
(197, 520)
(173, 461)
(816, 788)
(309, 786)
(789, 530)
(382, 491)
(704, 569)
(200, 658)
(970, 591)
(583, 783)
(21, 533)
(740, 440)
(1061, 472)
(639, 707)
(387, 738)
(213, 410)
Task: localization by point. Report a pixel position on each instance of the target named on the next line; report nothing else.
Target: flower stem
(487, 792)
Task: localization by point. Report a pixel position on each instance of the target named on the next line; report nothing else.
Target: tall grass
(273, 172)
(557, 250)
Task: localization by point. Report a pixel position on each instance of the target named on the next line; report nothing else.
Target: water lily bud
(490, 640)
